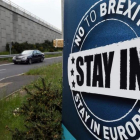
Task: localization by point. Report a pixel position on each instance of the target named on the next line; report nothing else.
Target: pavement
(10, 85)
(12, 78)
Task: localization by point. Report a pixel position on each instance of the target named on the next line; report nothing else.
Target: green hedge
(42, 113)
(19, 47)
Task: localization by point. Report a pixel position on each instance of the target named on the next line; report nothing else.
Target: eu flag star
(73, 60)
(73, 84)
(72, 72)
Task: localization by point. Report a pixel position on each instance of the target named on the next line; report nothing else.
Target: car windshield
(27, 52)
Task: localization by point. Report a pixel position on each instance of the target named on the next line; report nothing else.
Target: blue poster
(101, 70)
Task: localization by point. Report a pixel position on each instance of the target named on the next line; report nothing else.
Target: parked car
(29, 56)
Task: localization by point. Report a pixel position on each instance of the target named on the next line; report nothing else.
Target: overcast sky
(48, 10)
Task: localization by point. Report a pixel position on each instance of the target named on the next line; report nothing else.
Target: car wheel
(42, 59)
(30, 61)
(15, 62)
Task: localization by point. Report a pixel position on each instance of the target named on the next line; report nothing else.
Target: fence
(10, 56)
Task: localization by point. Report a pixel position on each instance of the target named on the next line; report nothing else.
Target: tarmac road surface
(8, 70)
(11, 78)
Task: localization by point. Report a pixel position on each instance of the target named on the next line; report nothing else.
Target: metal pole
(62, 17)
(56, 43)
(10, 49)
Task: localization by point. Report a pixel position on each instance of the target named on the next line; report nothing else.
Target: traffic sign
(58, 43)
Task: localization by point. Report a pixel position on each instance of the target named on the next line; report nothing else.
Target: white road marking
(11, 76)
(5, 84)
(6, 64)
(2, 70)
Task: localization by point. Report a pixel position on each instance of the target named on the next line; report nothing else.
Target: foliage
(49, 72)
(4, 53)
(10, 104)
(19, 47)
(6, 115)
(42, 112)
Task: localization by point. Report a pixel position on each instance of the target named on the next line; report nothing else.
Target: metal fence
(28, 13)
(10, 56)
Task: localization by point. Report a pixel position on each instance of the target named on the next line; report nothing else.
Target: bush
(43, 113)
(19, 47)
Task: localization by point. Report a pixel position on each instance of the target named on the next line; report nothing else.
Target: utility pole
(59, 43)
(62, 17)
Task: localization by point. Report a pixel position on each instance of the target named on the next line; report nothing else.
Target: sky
(48, 10)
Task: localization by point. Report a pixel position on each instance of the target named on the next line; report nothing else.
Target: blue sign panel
(101, 70)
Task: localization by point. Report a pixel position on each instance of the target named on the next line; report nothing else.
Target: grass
(46, 70)
(4, 53)
(52, 55)
(49, 73)
(5, 60)
(8, 105)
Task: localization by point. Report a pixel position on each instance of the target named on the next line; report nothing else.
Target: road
(8, 70)
(11, 78)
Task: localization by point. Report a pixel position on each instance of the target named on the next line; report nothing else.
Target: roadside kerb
(11, 94)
